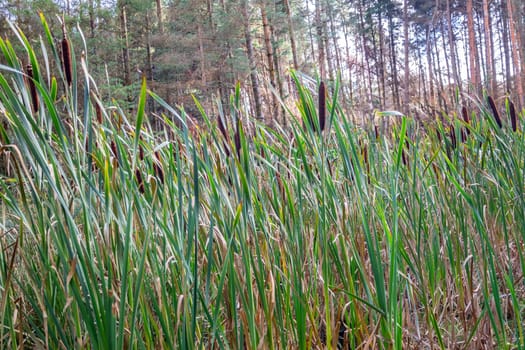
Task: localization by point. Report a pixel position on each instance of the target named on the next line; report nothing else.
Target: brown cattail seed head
(158, 167)
(404, 157)
(453, 136)
(495, 112)
(262, 153)
(438, 134)
(66, 58)
(140, 182)
(113, 147)
(513, 116)
(141, 153)
(225, 134)
(35, 104)
(465, 115)
(237, 138)
(465, 131)
(322, 106)
(222, 129)
(466, 118)
(98, 112)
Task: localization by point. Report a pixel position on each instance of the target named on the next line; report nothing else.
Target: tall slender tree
(475, 76)
(251, 59)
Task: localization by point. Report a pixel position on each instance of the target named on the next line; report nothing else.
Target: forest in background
(420, 57)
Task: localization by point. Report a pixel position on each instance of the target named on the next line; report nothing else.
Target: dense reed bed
(231, 234)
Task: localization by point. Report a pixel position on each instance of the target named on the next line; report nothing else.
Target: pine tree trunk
(349, 63)
(449, 75)
(149, 59)
(505, 45)
(381, 61)
(337, 50)
(270, 57)
(453, 51)
(432, 95)
(365, 56)
(291, 34)
(160, 22)
(515, 49)
(251, 60)
(422, 79)
(393, 61)
(202, 54)
(491, 74)
(320, 40)
(406, 92)
(521, 30)
(310, 37)
(91, 10)
(333, 55)
(439, 72)
(125, 46)
(281, 111)
(473, 50)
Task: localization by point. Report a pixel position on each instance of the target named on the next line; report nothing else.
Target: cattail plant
(35, 104)
(66, 56)
(404, 157)
(438, 135)
(405, 152)
(98, 108)
(98, 113)
(513, 116)
(114, 151)
(322, 106)
(157, 167)
(452, 133)
(297, 257)
(465, 131)
(237, 138)
(495, 111)
(364, 153)
(280, 185)
(140, 181)
(141, 152)
(224, 132)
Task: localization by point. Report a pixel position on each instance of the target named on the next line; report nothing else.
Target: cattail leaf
(169, 108)
(389, 114)
(9, 55)
(140, 113)
(33, 61)
(48, 34)
(52, 112)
